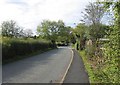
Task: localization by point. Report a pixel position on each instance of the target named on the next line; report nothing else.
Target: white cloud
(29, 13)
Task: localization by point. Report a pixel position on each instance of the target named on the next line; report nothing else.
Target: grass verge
(101, 72)
(87, 66)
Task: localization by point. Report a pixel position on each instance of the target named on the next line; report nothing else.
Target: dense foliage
(13, 48)
(54, 31)
(80, 32)
(102, 57)
(112, 49)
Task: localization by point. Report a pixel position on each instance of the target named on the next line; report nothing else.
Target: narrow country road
(38, 69)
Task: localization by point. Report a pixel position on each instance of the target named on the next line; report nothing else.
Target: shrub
(12, 47)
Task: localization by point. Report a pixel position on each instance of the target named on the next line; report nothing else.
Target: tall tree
(93, 13)
(11, 29)
(54, 31)
(92, 16)
(50, 29)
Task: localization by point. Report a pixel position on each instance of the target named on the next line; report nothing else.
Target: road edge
(63, 78)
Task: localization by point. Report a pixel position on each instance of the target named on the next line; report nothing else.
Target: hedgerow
(13, 47)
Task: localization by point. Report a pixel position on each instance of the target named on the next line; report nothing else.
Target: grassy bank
(100, 70)
(87, 66)
(15, 49)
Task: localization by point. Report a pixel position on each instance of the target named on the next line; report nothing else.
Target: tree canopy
(54, 31)
(92, 16)
(11, 29)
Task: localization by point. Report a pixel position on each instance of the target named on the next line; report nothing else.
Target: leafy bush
(13, 47)
(104, 65)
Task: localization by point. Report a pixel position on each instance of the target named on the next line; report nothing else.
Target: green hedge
(12, 48)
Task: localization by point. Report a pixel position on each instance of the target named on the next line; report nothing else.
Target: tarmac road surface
(77, 72)
(41, 68)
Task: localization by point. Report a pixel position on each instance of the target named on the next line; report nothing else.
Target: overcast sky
(29, 13)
